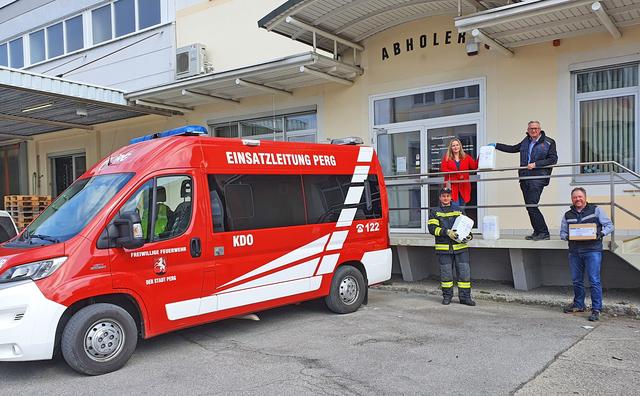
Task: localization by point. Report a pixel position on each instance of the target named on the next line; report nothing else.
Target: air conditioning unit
(190, 61)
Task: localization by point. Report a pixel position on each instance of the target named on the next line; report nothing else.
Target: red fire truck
(179, 229)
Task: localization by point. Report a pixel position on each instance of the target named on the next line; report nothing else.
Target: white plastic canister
(487, 157)
(490, 227)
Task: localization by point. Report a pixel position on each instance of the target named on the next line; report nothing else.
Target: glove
(492, 144)
(467, 238)
(452, 234)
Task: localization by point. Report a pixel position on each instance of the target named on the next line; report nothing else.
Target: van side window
(250, 202)
(173, 196)
(325, 197)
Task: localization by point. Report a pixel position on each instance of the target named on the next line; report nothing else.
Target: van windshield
(72, 210)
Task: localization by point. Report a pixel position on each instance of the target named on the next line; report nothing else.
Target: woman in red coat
(456, 159)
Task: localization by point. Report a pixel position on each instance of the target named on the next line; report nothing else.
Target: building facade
(406, 76)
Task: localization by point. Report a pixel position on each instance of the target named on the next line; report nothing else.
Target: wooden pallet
(25, 208)
(22, 198)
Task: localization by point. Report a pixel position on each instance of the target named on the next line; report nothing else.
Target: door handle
(195, 247)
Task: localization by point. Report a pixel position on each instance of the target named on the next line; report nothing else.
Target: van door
(167, 271)
(264, 251)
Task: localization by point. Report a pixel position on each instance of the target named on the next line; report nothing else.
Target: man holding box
(450, 250)
(584, 226)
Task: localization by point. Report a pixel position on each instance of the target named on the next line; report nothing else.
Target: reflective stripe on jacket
(441, 220)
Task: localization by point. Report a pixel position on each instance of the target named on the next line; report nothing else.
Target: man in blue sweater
(585, 254)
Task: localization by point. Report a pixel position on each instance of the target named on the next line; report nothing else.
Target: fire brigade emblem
(160, 266)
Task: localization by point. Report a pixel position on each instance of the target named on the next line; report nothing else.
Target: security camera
(472, 49)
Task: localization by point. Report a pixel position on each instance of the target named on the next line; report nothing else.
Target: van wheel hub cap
(104, 340)
(349, 290)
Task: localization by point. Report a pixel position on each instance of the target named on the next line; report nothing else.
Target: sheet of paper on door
(401, 164)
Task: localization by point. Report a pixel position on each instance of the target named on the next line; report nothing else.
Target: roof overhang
(278, 77)
(33, 104)
(318, 23)
(538, 21)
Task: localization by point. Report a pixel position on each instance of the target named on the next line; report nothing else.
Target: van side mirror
(129, 233)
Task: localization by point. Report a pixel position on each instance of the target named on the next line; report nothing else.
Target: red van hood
(10, 257)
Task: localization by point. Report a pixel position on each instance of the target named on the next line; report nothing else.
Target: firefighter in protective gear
(450, 252)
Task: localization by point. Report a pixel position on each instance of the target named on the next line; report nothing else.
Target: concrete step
(506, 242)
(632, 258)
(631, 245)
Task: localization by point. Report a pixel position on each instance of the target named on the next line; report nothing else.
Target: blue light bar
(188, 130)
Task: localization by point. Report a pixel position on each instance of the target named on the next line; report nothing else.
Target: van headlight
(33, 271)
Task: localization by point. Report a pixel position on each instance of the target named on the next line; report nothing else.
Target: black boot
(447, 295)
(465, 297)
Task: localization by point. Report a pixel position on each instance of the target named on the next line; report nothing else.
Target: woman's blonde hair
(450, 151)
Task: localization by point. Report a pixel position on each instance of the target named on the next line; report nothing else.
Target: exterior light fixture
(37, 107)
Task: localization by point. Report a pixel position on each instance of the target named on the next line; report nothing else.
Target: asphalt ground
(401, 343)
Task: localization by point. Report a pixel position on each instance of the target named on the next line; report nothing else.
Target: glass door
(400, 153)
(66, 169)
(437, 144)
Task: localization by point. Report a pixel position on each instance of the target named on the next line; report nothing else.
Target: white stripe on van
(222, 301)
(353, 195)
(327, 264)
(365, 154)
(360, 174)
(337, 240)
(300, 253)
(298, 271)
(346, 217)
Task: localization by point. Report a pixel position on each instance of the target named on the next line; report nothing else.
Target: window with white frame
(16, 53)
(104, 23)
(606, 112)
(293, 127)
(4, 55)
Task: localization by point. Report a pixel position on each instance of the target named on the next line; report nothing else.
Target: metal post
(315, 44)
(612, 193)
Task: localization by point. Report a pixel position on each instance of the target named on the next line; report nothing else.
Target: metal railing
(617, 174)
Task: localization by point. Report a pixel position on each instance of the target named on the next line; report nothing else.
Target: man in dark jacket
(585, 254)
(450, 252)
(537, 151)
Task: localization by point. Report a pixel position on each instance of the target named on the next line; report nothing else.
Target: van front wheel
(99, 339)
(348, 290)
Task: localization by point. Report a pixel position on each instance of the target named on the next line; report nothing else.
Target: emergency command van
(178, 229)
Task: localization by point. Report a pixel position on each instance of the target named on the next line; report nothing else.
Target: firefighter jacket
(441, 220)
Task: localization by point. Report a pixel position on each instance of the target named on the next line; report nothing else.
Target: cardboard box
(583, 232)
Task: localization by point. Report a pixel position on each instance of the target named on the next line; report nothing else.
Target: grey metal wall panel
(18, 8)
(37, 13)
(140, 61)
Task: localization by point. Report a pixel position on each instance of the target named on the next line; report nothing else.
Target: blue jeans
(590, 261)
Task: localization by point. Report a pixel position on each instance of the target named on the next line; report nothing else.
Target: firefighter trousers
(461, 262)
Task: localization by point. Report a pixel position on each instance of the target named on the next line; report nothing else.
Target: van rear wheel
(99, 339)
(348, 290)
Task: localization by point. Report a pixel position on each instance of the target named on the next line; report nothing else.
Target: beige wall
(229, 29)
(534, 84)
